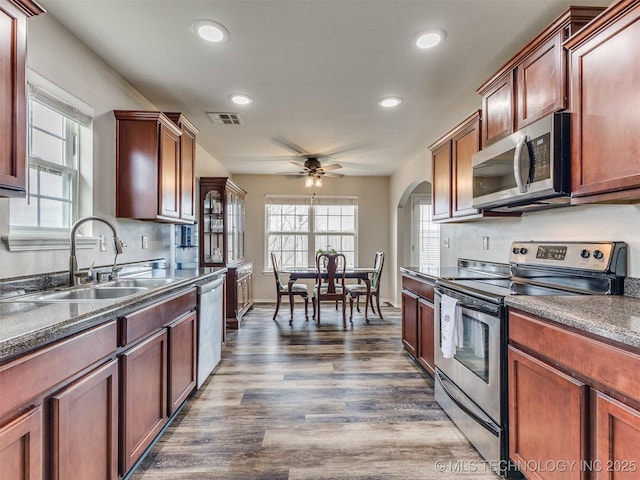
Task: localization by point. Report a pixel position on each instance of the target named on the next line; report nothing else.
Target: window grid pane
(289, 234)
(428, 238)
(52, 170)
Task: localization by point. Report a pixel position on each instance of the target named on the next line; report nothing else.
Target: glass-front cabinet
(222, 234)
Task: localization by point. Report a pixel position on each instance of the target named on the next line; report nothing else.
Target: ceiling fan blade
(291, 173)
(345, 151)
(332, 166)
(331, 174)
(292, 147)
(299, 164)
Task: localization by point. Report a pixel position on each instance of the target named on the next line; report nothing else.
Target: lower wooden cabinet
(574, 402)
(617, 439)
(410, 322)
(21, 445)
(182, 360)
(239, 292)
(143, 398)
(84, 433)
(426, 341)
(547, 416)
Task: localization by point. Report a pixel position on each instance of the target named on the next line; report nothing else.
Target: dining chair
(299, 289)
(356, 290)
(330, 283)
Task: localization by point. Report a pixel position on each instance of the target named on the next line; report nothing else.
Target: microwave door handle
(516, 164)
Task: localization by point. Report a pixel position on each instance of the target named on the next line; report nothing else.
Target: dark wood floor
(308, 402)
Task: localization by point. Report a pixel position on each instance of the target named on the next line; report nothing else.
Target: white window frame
(311, 202)
(422, 203)
(43, 238)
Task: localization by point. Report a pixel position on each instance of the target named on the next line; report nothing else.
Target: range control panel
(593, 256)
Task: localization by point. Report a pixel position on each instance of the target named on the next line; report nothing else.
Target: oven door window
(473, 350)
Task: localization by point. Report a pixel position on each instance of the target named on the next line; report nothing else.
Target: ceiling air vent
(224, 118)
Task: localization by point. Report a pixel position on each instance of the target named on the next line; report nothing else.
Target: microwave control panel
(539, 149)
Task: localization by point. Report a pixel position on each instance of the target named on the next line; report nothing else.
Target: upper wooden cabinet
(452, 180)
(534, 82)
(13, 116)
(605, 148)
(187, 165)
(149, 172)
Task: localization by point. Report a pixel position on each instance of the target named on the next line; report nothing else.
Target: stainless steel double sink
(113, 290)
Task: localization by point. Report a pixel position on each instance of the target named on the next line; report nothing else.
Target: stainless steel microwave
(528, 170)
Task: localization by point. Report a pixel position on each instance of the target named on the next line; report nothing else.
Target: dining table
(359, 273)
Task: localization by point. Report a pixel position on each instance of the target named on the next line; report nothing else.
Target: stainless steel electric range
(470, 385)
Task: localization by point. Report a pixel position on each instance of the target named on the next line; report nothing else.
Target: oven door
(475, 367)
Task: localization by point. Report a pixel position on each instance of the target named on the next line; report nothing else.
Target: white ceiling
(315, 69)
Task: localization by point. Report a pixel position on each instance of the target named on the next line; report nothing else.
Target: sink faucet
(73, 261)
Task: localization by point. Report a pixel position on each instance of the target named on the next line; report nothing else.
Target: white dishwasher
(210, 325)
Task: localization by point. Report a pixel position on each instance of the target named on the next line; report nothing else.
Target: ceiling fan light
(308, 181)
(210, 31)
(430, 38)
(389, 102)
(317, 181)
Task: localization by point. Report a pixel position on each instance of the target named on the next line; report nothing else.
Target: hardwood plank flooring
(304, 402)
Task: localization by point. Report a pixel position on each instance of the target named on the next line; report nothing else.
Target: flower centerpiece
(329, 250)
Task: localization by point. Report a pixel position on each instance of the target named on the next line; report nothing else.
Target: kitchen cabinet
(410, 322)
(144, 397)
(533, 83)
(85, 427)
(157, 368)
(187, 165)
(55, 391)
(604, 107)
(572, 397)
(222, 231)
(452, 179)
(547, 414)
(182, 360)
(13, 116)
(149, 183)
(21, 443)
(418, 321)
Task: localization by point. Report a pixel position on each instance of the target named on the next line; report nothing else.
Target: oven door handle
(486, 422)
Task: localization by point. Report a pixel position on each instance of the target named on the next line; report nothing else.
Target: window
(426, 234)
(59, 145)
(298, 226)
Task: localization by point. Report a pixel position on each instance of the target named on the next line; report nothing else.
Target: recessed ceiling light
(389, 102)
(240, 98)
(210, 31)
(430, 38)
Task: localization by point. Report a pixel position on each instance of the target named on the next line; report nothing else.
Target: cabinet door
(541, 84)
(187, 175)
(410, 322)
(617, 440)
(464, 145)
(426, 343)
(604, 101)
(13, 118)
(21, 447)
(143, 397)
(441, 182)
(85, 427)
(497, 110)
(182, 360)
(169, 173)
(547, 417)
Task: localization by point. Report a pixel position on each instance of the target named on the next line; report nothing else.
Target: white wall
(373, 216)
(59, 57)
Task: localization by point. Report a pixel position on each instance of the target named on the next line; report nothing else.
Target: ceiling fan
(311, 167)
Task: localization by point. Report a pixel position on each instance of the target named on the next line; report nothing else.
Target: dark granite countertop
(429, 274)
(613, 317)
(27, 326)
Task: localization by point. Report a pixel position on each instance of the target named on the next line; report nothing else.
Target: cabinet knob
(598, 255)
(585, 253)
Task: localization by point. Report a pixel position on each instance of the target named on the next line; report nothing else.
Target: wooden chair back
(274, 264)
(334, 266)
(378, 263)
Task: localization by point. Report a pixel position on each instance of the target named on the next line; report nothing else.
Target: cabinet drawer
(420, 288)
(607, 364)
(143, 322)
(35, 373)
